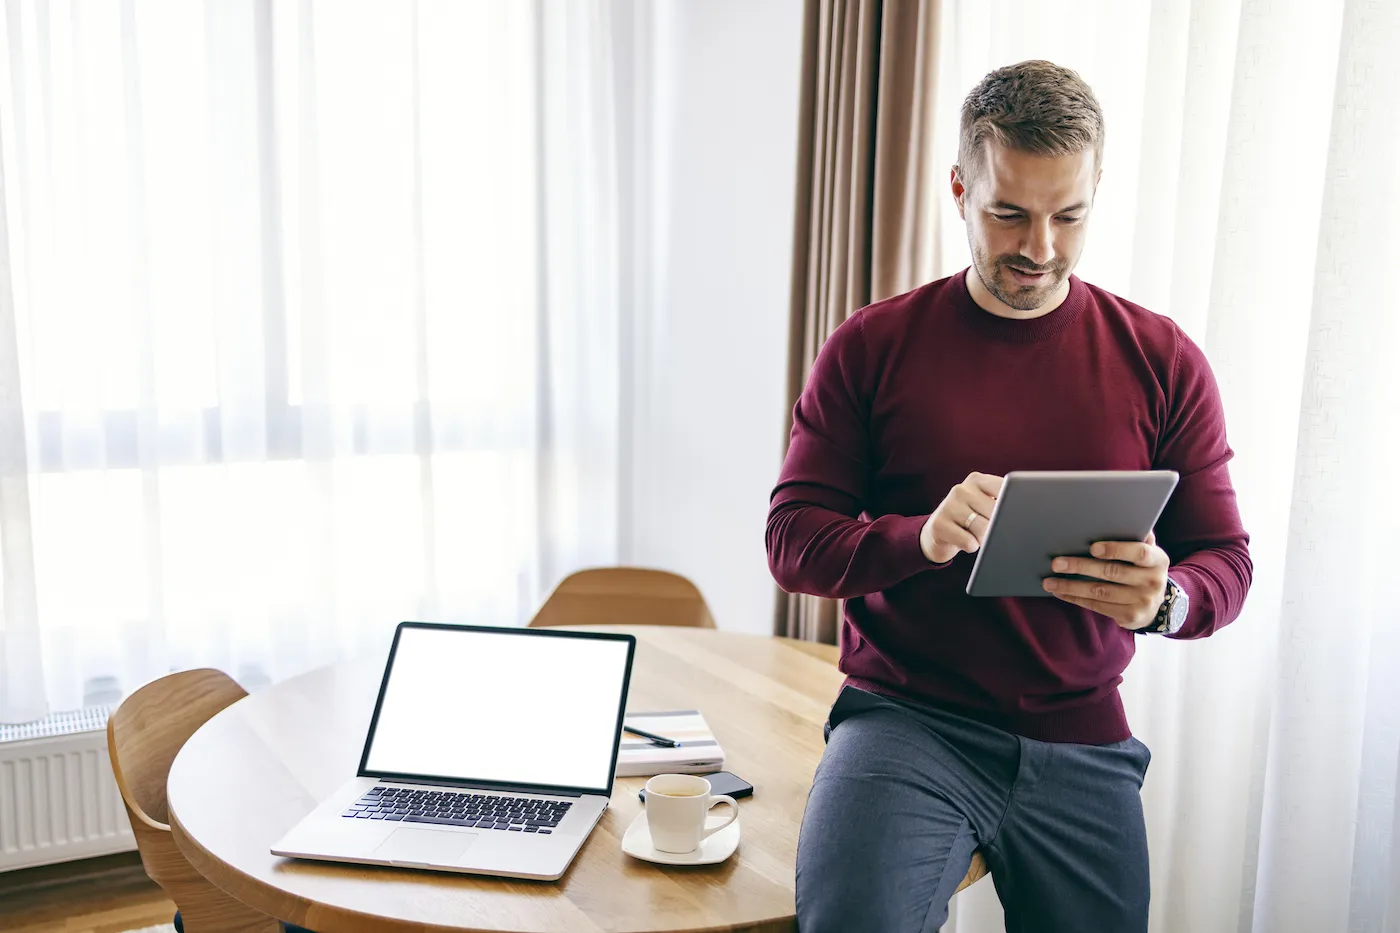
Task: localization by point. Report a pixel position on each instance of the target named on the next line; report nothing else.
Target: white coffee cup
(677, 805)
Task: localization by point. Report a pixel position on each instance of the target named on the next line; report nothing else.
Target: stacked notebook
(698, 753)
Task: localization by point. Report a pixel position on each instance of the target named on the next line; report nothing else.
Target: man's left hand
(1134, 575)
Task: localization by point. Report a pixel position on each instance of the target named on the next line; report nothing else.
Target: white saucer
(636, 842)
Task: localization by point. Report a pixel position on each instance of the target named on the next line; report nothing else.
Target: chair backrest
(151, 726)
(625, 596)
(143, 737)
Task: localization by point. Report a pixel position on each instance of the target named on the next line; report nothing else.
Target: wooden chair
(143, 737)
(624, 596)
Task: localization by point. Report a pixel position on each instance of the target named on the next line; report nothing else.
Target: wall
(711, 335)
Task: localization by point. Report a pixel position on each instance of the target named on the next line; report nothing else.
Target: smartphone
(721, 782)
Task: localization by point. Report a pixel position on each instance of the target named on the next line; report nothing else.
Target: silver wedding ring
(967, 525)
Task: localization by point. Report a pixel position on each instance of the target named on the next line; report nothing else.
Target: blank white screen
(497, 706)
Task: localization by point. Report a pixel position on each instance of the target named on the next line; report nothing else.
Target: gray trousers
(904, 795)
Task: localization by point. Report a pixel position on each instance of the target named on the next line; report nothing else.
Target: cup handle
(708, 831)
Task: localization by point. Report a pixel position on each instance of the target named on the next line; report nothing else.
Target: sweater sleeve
(1200, 528)
(817, 541)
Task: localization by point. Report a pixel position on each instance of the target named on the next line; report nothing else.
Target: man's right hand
(960, 522)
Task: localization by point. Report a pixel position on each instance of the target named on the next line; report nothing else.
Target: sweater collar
(1012, 330)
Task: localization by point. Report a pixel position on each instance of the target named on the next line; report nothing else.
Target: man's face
(1026, 216)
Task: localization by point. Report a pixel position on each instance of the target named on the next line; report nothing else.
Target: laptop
(491, 751)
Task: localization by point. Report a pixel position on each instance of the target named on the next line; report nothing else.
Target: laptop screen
(497, 706)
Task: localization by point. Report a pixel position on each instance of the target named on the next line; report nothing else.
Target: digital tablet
(1043, 515)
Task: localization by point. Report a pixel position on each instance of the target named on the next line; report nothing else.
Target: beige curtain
(864, 227)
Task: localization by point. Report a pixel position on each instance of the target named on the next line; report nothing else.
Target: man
(995, 724)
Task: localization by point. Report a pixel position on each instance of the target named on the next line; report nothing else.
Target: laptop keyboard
(482, 811)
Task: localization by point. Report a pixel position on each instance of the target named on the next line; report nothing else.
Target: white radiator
(58, 798)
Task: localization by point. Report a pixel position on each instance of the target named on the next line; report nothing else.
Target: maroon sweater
(912, 394)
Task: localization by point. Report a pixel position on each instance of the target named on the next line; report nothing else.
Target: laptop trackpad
(424, 846)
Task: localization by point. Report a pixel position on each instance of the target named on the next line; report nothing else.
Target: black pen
(657, 739)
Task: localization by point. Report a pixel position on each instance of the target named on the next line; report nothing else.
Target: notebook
(699, 751)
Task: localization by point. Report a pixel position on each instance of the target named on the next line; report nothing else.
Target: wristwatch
(1171, 615)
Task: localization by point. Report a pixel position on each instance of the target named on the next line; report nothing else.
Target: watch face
(1179, 605)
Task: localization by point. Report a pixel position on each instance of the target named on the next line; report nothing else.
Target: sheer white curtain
(307, 326)
(1250, 191)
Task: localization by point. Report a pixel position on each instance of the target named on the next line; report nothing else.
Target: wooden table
(258, 767)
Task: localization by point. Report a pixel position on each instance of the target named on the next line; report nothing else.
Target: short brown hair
(1034, 106)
